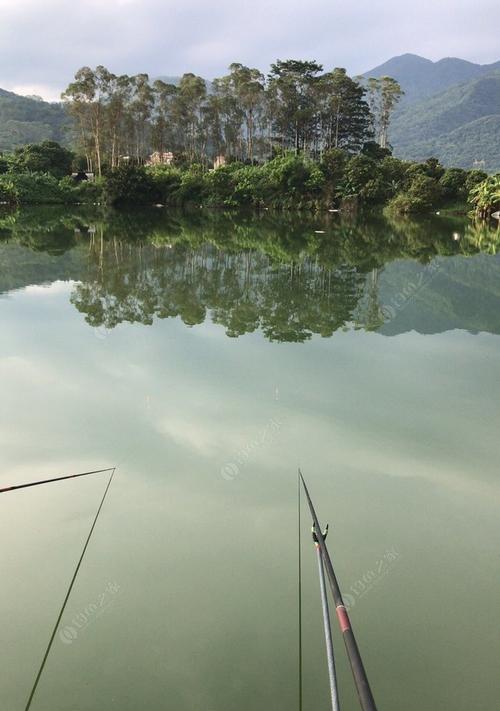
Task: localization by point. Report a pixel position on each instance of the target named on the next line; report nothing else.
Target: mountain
(177, 80)
(421, 78)
(460, 126)
(30, 120)
(168, 79)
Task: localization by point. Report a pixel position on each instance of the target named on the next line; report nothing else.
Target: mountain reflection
(287, 276)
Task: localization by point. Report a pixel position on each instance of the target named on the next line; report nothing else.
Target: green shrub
(4, 164)
(167, 180)
(35, 188)
(248, 186)
(220, 186)
(394, 173)
(191, 188)
(453, 183)
(46, 157)
(364, 178)
(373, 150)
(290, 180)
(131, 185)
(433, 168)
(422, 194)
(474, 177)
(485, 196)
(286, 174)
(8, 191)
(88, 192)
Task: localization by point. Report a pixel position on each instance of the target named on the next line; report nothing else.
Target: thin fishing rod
(334, 694)
(358, 671)
(49, 481)
(68, 593)
(300, 594)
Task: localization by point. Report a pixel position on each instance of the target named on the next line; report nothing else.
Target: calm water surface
(208, 357)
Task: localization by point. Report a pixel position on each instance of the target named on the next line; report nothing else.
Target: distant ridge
(422, 78)
(460, 126)
(28, 120)
(451, 110)
(176, 81)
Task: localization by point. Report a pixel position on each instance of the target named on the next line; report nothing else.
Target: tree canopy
(243, 115)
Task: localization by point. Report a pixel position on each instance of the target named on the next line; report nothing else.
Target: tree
(86, 99)
(225, 117)
(162, 131)
(45, 157)
(383, 96)
(292, 101)
(141, 107)
(120, 89)
(344, 114)
(248, 87)
(243, 117)
(188, 111)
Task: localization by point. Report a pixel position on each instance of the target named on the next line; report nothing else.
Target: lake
(208, 356)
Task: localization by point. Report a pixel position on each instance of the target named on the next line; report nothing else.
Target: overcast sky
(43, 42)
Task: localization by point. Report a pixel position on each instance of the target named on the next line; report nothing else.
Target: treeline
(243, 115)
(338, 181)
(40, 174)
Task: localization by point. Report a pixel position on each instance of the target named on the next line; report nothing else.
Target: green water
(209, 356)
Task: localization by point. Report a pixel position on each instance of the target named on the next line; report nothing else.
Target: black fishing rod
(300, 595)
(49, 481)
(70, 587)
(358, 671)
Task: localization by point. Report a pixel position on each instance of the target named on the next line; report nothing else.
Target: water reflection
(275, 273)
(399, 437)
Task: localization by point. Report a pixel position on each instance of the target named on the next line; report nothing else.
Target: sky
(43, 42)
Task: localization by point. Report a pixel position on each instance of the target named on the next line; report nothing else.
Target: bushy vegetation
(46, 157)
(486, 196)
(290, 181)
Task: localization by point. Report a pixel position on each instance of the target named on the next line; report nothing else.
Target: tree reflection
(290, 278)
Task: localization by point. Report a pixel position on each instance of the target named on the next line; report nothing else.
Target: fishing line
(332, 676)
(70, 588)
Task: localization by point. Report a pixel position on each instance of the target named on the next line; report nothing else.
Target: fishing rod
(300, 594)
(70, 588)
(49, 481)
(366, 699)
(334, 694)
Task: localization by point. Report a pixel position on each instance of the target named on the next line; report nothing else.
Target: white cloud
(42, 44)
(45, 91)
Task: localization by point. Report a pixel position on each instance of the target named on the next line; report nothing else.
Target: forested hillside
(450, 110)
(421, 78)
(459, 126)
(29, 120)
